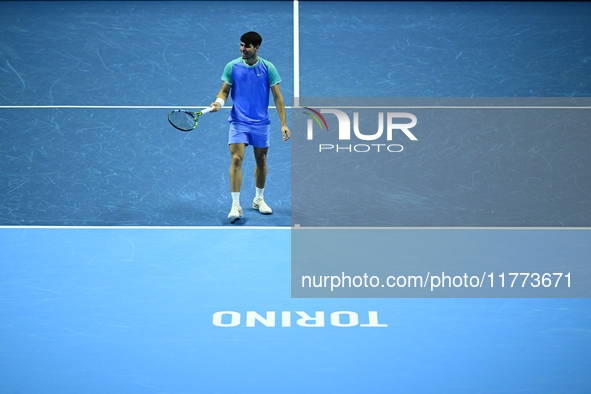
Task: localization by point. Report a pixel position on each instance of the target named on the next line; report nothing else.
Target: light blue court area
(129, 310)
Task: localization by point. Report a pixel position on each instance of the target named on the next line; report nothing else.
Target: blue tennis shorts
(255, 135)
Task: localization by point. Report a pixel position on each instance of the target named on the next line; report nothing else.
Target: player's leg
(260, 176)
(237, 154)
(260, 171)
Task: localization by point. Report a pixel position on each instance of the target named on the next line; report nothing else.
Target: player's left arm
(278, 98)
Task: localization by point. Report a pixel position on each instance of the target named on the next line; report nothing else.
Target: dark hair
(251, 38)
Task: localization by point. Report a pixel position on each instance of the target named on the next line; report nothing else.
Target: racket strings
(183, 120)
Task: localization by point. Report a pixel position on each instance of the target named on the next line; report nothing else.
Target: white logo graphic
(345, 129)
(302, 319)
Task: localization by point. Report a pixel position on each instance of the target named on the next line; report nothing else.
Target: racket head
(183, 120)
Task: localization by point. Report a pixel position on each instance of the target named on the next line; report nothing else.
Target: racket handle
(206, 110)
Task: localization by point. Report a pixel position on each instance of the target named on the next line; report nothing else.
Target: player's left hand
(285, 132)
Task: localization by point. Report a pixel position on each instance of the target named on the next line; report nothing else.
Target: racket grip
(206, 110)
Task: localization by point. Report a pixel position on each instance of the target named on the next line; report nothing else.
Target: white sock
(259, 192)
(235, 197)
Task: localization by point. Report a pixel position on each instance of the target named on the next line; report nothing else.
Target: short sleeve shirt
(250, 90)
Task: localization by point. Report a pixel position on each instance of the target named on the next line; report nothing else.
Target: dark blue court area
(128, 166)
(119, 272)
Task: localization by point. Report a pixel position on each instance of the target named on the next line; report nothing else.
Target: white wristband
(220, 101)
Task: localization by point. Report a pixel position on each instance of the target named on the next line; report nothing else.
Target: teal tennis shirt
(250, 90)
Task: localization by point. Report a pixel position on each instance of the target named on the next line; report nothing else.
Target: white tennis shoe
(260, 205)
(236, 212)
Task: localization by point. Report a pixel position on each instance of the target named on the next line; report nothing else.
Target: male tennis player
(250, 78)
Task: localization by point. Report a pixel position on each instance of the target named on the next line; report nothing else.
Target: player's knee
(261, 161)
(236, 161)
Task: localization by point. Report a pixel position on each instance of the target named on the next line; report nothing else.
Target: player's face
(248, 52)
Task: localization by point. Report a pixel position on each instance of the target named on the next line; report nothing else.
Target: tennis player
(249, 79)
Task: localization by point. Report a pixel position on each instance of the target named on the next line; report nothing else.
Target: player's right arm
(223, 94)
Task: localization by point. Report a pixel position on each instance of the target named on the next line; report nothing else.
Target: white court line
(297, 227)
(296, 48)
(284, 228)
(150, 227)
(108, 106)
(287, 106)
(113, 106)
(454, 107)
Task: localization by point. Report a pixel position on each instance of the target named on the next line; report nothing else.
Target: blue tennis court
(134, 310)
(121, 274)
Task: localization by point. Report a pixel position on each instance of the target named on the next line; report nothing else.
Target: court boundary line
(296, 48)
(440, 228)
(150, 227)
(456, 107)
(108, 106)
(284, 228)
(112, 106)
(287, 106)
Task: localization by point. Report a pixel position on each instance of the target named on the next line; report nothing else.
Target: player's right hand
(216, 106)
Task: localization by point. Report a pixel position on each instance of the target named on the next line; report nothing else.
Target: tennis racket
(185, 120)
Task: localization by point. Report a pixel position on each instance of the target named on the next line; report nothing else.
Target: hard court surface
(115, 255)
